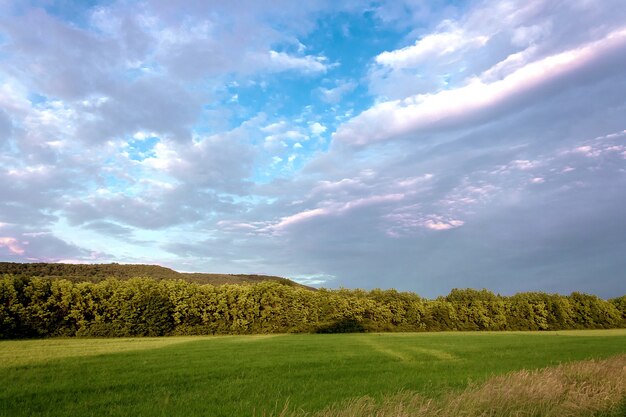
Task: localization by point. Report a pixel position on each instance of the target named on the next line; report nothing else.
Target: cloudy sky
(416, 144)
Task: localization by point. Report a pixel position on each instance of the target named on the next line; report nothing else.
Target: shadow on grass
(342, 326)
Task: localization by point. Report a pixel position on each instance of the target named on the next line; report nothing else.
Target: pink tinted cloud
(443, 225)
(12, 245)
(333, 208)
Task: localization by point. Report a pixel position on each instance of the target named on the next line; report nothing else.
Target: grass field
(253, 375)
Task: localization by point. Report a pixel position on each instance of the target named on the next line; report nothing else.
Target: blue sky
(420, 145)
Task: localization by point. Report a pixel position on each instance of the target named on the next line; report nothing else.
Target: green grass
(248, 375)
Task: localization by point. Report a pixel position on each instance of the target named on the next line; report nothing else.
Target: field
(258, 375)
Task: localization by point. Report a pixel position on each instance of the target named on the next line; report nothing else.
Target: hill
(99, 272)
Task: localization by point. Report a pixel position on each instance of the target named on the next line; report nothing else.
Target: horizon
(434, 297)
(415, 145)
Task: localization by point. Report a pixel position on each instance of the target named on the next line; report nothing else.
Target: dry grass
(573, 390)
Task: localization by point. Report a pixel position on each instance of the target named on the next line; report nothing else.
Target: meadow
(270, 374)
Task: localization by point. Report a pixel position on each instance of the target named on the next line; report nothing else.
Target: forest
(99, 272)
(32, 307)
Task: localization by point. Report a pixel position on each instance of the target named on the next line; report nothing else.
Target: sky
(421, 145)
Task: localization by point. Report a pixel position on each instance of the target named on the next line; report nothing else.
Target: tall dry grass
(577, 389)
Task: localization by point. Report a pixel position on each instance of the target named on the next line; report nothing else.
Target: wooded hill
(99, 272)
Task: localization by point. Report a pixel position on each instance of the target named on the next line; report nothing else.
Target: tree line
(42, 307)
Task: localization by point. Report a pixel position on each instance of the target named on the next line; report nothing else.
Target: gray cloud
(539, 211)
(60, 60)
(153, 104)
(163, 209)
(110, 228)
(6, 128)
(220, 162)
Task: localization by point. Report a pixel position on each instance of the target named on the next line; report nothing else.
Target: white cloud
(143, 135)
(517, 165)
(309, 64)
(436, 224)
(432, 46)
(409, 220)
(332, 208)
(236, 226)
(287, 221)
(587, 150)
(477, 100)
(282, 131)
(334, 187)
(165, 158)
(275, 128)
(317, 128)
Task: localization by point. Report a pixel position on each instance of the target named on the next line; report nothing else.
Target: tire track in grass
(438, 354)
(394, 354)
(408, 353)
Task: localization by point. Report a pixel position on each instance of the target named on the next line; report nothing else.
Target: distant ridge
(99, 272)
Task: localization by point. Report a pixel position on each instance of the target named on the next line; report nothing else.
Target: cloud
(308, 64)
(473, 220)
(213, 56)
(158, 210)
(6, 127)
(220, 162)
(438, 224)
(20, 243)
(336, 94)
(317, 128)
(109, 228)
(478, 101)
(435, 45)
(155, 104)
(12, 245)
(482, 38)
(490, 152)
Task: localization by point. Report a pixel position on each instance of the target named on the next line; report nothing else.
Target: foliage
(620, 304)
(40, 307)
(100, 272)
